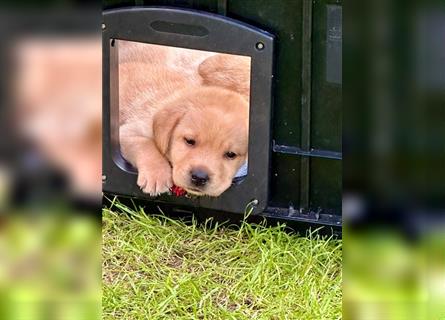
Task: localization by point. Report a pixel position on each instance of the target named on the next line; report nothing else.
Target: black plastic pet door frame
(202, 31)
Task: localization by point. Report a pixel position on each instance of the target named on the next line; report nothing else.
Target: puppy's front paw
(155, 180)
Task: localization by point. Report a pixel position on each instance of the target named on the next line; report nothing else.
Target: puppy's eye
(230, 155)
(190, 142)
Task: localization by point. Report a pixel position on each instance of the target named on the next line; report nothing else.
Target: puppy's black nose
(199, 177)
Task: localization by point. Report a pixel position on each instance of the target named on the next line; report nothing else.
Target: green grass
(158, 268)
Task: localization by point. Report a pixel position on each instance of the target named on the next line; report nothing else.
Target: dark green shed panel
(307, 114)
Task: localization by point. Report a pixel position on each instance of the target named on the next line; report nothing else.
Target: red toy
(178, 191)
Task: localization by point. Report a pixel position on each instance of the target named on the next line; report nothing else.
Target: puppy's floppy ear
(164, 122)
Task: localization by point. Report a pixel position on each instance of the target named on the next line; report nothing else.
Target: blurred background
(394, 160)
(50, 160)
(394, 152)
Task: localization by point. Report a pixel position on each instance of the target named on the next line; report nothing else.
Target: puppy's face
(208, 143)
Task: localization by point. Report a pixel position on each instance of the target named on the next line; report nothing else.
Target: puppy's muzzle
(199, 177)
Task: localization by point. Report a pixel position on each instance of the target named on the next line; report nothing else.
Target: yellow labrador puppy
(180, 122)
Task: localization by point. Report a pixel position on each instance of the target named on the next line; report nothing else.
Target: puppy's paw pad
(154, 182)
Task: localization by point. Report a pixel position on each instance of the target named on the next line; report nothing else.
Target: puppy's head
(204, 134)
